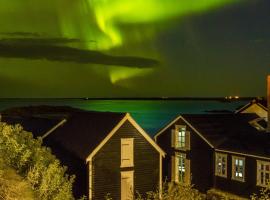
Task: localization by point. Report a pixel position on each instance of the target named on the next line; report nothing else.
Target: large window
(263, 173)
(180, 168)
(238, 168)
(221, 165)
(127, 152)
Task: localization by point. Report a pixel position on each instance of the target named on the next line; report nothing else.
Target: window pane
(241, 162)
(181, 168)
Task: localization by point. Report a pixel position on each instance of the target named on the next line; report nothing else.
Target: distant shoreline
(142, 98)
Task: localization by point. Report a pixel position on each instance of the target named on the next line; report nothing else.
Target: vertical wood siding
(106, 165)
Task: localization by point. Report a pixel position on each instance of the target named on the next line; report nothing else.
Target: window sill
(181, 148)
(260, 185)
(238, 179)
(222, 176)
(126, 166)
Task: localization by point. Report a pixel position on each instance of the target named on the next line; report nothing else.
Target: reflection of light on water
(118, 74)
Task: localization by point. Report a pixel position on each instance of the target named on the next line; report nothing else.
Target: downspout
(90, 179)
(160, 177)
(268, 103)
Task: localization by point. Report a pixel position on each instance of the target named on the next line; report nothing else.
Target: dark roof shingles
(80, 134)
(232, 132)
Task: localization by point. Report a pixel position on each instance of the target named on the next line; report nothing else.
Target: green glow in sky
(196, 46)
(106, 24)
(111, 14)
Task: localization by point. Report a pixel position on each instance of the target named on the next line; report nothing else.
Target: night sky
(134, 48)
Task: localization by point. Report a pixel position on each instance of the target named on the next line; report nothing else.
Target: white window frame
(264, 171)
(175, 138)
(175, 168)
(221, 155)
(235, 175)
(130, 162)
(180, 134)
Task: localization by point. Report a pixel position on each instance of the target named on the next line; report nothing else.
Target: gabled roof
(260, 102)
(229, 132)
(79, 132)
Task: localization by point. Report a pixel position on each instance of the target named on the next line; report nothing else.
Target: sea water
(151, 115)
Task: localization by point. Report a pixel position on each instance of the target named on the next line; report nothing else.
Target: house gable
(127, 119)
(188, 124)
(257, 108)
(106, 168)
(140, 130)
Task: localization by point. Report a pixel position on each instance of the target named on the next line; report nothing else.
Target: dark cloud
(47, 48)
(21, 34)
(39, 41)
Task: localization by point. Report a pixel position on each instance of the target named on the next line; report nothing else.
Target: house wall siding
(245, 188)
(106, 165)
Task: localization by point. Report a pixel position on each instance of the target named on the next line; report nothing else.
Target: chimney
(268, 103)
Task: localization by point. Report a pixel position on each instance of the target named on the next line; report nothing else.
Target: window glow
(181, 168)
(238, 168)
(181, 138)
(263, 173)
(221, 165)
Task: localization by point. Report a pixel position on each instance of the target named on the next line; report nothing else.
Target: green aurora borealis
(138, 48)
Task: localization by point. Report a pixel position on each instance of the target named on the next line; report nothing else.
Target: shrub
(35, 163)
(263, 195)
(171, 191)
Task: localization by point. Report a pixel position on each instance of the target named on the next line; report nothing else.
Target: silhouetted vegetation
(35, 163)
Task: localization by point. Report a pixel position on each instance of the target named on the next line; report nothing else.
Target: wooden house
(108, 152)
(258, 106)
(221, 151)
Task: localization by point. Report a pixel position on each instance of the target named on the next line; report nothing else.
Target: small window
(180, 138)
(238, 168)
(127, 152)
(263, 173)
(221, 165)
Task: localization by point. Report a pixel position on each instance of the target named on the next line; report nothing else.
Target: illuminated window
(180, 137)
(238, 168)
(221, 165)
(263, 173)
(127, 152)
(180, 168)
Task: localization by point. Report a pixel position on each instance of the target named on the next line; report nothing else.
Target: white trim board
(242, 154)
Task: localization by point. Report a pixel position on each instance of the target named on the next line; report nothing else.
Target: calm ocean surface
(150, 114)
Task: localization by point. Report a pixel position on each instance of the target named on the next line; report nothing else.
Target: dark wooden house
(227, 152)
(108, 152)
